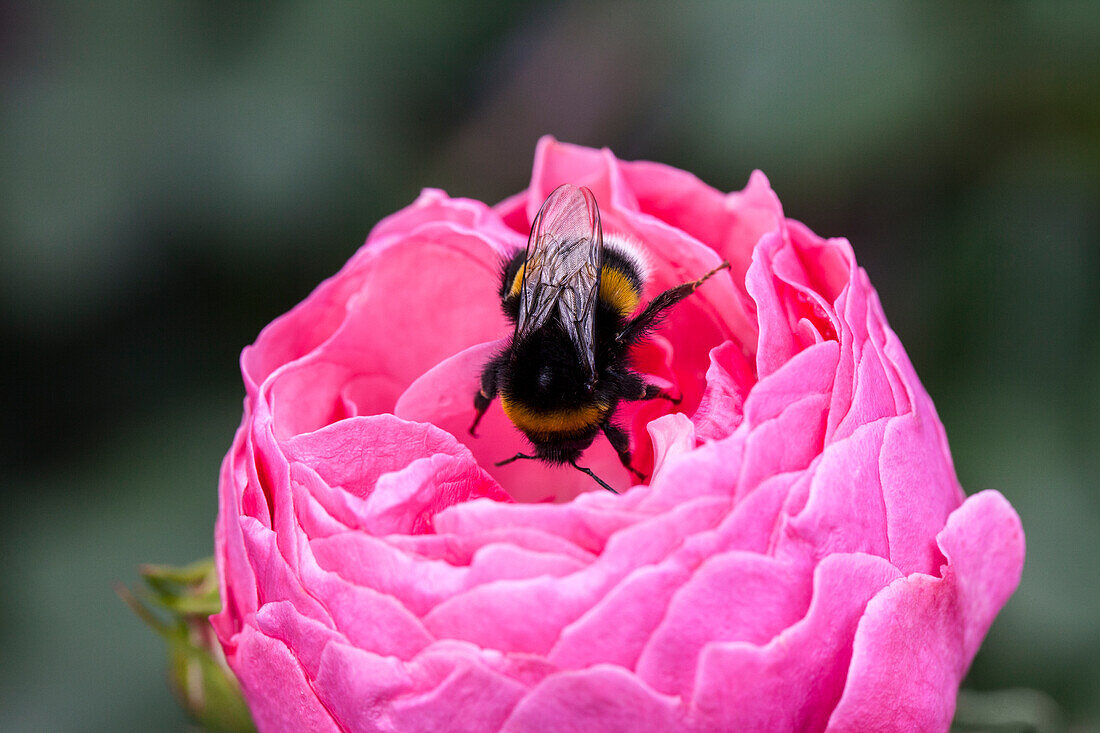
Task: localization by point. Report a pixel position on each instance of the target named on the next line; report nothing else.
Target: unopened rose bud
(177, 603)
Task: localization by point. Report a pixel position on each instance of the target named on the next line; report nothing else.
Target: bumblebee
(572, 297)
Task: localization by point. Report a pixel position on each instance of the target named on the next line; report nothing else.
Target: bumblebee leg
(598, 480)
(481, 404)
(620, 441)
(652, 391)
(486, 393)
(516, 457)
(648, 318)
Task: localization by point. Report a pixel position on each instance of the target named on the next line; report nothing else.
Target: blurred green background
(177, 174)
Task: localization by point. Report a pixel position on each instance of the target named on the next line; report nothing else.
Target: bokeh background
(176, 174)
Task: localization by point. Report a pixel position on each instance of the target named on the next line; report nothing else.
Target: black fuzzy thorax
(545, 372)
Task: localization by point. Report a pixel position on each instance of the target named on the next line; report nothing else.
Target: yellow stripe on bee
(618, 291)
(568, 420)
(518, 282)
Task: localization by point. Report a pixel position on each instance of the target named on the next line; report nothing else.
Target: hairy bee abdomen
(623, 275)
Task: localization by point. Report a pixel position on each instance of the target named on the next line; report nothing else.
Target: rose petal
(354, 453)
(236, 579)
(264, 664)
(786, 415)
(917, 638)
(793, 681)
(731, 223)
(734, 596)
(403, 321)
(470, 698)
(843, 507)
(361, 559)
(603, 698)
(729, 378)
(557, 163)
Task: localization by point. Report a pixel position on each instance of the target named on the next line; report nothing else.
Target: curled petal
(918, 635)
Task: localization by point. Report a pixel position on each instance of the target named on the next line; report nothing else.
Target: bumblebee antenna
(582, 469)
(516, 457)
(598, 480)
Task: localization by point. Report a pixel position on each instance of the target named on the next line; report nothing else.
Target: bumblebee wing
(561, 274)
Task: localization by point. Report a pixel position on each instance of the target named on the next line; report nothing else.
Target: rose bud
(176, 602)
(799, 555)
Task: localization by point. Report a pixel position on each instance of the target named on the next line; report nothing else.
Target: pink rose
(803, 557)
